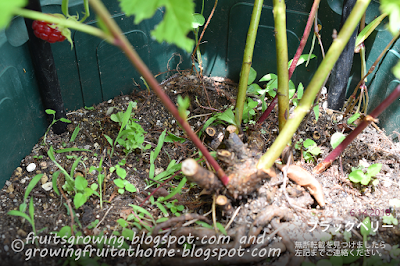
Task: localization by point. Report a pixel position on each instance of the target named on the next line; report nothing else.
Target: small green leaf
(62, 119)
(254, 89)
(122, 223)
(94, 186)
(79, 200)
(252, 76)
(198, 20)
(353, 118)
(227, 116)
(162, 219)
(130, 187)
(21, 214)
(121, 172)
(31, 185)
(303, 58)
(309, 142)
(374, 169)
(300, 90)
(171, 138)
(71, 149)
(54, 182)
(162, 209)
(316, 112)
(139, 209)
(358, 176)
(80, 182)
(221, 228)
(268, 77)
(392, 8)
(50, 112)
(75, 133)
(121, 191)
(363, 35)
(336, 139)
(119, 183)
(366, 231)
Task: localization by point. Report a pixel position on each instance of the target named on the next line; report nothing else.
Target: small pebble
(47, 186)
(31, 167)
(43, 165)
(109, 101)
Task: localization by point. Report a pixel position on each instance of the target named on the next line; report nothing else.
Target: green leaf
(80, 182)
(183, 105)
(130, 187)
(300, 90)
(110, 141)
(365, 231)
(159, 144)
(303, 58)
(221, 228)
(31, 185)
(79, 200)
(374, 169)
(54, 182)
(162, 208)
(252, 76)
(227, 116)
(269, 77)
(177, 20)
(62, 119)
(292, 89)
(254, 89)
(88, 192)
(75, 133)
(7, 10)
(71, 149)
(316, 112)
(161, 220)
(21, 214)
(336, 139)
(198, 20)
(358, 176)
(119, 183)
(122, 223)
(139, 209)
(177, 189)
(172, 138)
(369, 29)
(353, 118)
(121, 172)
(74, 165)
(204, 224)
(94, 186)
(121, 191)
(49, 111)
(308, 142)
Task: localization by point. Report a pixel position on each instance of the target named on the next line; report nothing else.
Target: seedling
(75, 133)
(358, 175)
(175, 209)
(38, 157)
(79, 185)
(22, 207)
(62, 119)
(121, 182)
(100, 179)
(130, 135)
(93, 224)
(310, 149)
(390, 220)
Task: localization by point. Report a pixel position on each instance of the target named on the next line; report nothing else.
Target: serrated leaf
(7, 10)
(252, 76)
(336, 139)
(177, 20)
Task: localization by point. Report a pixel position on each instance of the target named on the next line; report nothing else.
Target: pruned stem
(267, 160)
(366, 121)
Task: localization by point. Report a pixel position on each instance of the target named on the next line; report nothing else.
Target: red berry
(44, 32)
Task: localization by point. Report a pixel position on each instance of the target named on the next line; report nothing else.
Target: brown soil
(302, 219)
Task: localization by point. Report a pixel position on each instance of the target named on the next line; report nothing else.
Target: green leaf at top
(50, 112)
(80, 182)
(300, 90)
(353, 118)
(369, 29)
(79, 200)
(254, 90)
(7, 9)
(268, 77)
(252, 76)
(336, 139)
(227, 116)
(198, 20)
(177, 20)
